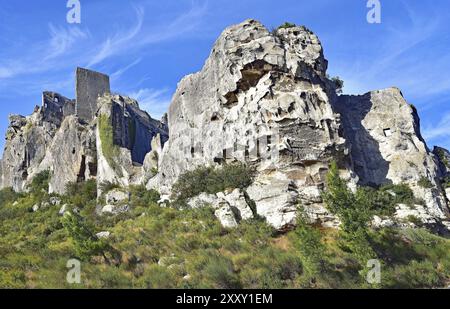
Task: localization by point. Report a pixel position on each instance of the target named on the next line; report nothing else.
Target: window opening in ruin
(387, 132)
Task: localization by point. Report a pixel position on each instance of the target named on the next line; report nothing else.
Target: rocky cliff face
(262, 98)
(386, 147)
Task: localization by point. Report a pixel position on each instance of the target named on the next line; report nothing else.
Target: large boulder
(230, 207)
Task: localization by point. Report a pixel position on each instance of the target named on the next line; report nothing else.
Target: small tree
(311, 249)
(355, 212)
(86, 243)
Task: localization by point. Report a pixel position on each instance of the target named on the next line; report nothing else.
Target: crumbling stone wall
(56, 107)
(89, 86)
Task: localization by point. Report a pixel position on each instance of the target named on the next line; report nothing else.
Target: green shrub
(219, 273)
(212, 180)
(287, 25)
(308, 241)
(143, 197)
(107, 186)
(80, 194)
(446, 182)
(413, 275)
(354, 210)
(424, 182)
(443, 158)
(8, 195)
(157, 277)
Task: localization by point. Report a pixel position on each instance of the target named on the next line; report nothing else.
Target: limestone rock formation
(27, 141)
(230, 207)
(383, 135)
(261, 98)
(264, 98)
(125, 135)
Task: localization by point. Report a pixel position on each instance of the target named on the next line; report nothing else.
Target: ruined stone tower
(89, 86)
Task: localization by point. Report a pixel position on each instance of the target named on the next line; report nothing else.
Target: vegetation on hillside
(212, 180)
(109, 149)
(162, 247)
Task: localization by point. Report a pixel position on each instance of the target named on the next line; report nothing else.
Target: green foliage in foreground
(155, 247)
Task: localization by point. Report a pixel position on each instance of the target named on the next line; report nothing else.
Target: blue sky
(148, 46)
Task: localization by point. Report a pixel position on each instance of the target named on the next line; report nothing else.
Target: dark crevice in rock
(251, 75)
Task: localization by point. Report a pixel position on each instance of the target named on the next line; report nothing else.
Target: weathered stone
(226, 216)
(55, 201)
(203, 200)
(383, 135)
(116, 196)
(132, 133)
(236, 200)
(89, 86)
(103, 235)
(263, 99)
(63, 210)
(115, 209)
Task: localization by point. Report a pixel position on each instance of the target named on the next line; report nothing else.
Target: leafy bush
(287, 25)
(143, 197)
(443, 158)
(446, 182)
(308, 240)
(338, 84)
(219, 273)
(212, 180)
(107, 186)
(157, 277)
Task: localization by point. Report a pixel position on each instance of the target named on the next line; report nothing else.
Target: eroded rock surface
(264, 99)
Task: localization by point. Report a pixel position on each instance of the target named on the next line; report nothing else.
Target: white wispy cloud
(117, 74)
(154, 101)
(439, 131)
(62, 39)
(119, 41)
(140, 35)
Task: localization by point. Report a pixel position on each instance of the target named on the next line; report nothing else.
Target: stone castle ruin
(90, 86)
(62, 136)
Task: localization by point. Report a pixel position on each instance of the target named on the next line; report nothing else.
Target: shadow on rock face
(369, 164)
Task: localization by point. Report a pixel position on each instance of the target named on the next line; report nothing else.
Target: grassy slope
(196, 252)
